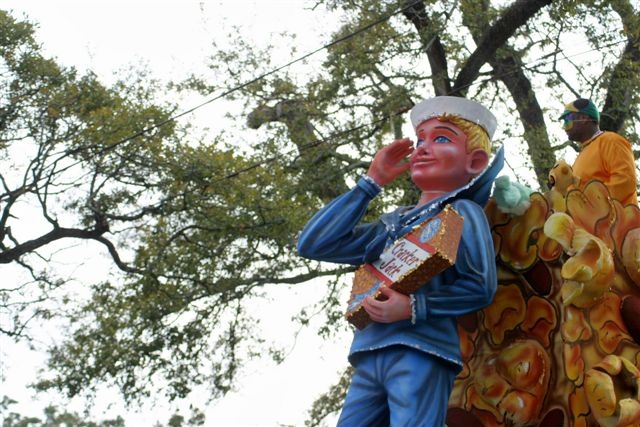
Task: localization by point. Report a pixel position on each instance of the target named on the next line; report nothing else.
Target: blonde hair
(477, 137)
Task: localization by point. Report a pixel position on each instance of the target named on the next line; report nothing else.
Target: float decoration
(560, 344)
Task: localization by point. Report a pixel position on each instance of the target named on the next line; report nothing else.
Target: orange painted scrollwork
(560, 344)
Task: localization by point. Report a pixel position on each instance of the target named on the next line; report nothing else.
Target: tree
(194, 229)
(198, 229)
(520, 58)
(54, 417)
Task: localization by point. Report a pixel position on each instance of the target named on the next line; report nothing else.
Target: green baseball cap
(584, 106)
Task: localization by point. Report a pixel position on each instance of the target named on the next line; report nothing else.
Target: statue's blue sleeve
(471, 283)
(335, 234)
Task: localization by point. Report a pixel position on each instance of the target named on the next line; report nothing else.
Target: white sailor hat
(457, 106)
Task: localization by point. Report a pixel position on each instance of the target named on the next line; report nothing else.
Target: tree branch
(495, 37)
(57, 233)
(624, 82)
(415, 12)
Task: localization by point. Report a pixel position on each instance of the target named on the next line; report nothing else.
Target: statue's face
(440, 161)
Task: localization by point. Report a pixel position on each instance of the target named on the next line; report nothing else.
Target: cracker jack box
(409, 263)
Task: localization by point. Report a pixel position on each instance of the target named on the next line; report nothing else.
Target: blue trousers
(398, 386)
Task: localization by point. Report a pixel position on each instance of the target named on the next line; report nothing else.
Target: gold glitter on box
(409, 263)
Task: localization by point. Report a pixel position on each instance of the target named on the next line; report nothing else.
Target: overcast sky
(172, 38)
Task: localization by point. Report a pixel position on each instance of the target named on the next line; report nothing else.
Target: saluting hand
(390, 161)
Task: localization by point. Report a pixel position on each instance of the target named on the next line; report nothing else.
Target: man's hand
(396, 307)
(390, 161)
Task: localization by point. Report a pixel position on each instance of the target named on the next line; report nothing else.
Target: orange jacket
(609, 158)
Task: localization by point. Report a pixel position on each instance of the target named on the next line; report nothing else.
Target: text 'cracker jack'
(409, 263)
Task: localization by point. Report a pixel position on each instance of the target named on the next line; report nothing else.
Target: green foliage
(198, 226)
(326, 404)
(52, 417)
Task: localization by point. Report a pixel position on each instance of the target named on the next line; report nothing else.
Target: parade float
(560, 344)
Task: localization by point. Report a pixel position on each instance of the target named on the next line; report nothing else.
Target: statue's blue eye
(437, 140)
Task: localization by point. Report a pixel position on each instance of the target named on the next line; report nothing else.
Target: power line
(288, 64)
(237, 88)
(535, 62)
(262, 76)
